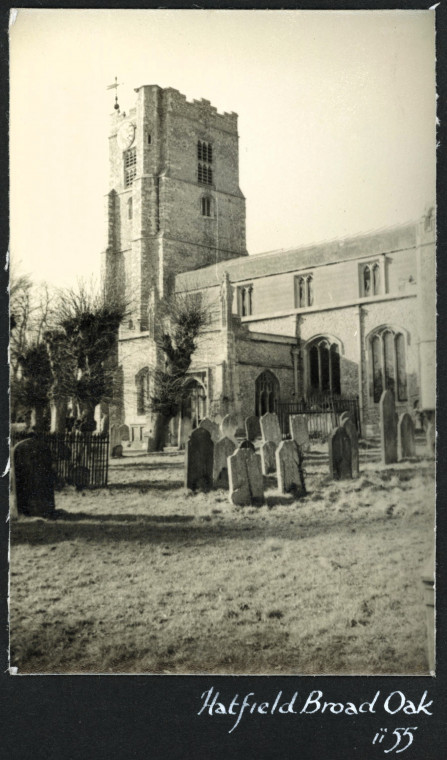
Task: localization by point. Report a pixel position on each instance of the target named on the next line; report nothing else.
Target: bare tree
(80, 347)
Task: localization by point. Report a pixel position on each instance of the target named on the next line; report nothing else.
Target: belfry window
(324, 366)
(130, 166)
(304, 291)
(388, 364)
(245, 300)
(205, 159)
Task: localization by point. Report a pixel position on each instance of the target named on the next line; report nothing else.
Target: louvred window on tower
(130, 166)
(205, 159)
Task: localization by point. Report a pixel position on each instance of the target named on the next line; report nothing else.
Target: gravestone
(246, 444)
(229, 426)
(115, 438)
(289, 468)
(430, 435)
(299, 431)
(340, 454)
(268, 457)
(222, 450)
(199, 460)
(351, 430)
(270, 428)
(184, 431)
(388, 428)
(405, 437)
(212, 428)
(33, 478)
(117, 451)
(252, 428)
(246, 479)
(124, 433)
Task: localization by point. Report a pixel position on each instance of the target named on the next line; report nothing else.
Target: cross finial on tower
(115, 87)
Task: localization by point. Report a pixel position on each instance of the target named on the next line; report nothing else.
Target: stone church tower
(173, 205)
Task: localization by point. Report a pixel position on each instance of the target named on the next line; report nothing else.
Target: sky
(336, 123)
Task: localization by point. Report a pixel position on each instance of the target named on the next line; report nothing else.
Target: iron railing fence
(80, 459)
(322, 412)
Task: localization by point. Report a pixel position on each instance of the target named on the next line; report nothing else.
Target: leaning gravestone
(289, 468)
(340, 454)
(252, 428)
(299, 431)
(33, 484)
(268, 457)
(351, 430)
(124, 433)
(246, 480)
(270, 428)
(222, 450)
(388, 428)
(228, 426)
(405, 437)
(184, 431)
(212, 428)
(199, 460)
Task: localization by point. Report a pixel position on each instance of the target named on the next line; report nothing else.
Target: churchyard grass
(145, 577)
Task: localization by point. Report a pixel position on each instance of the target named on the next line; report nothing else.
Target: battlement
(174, 100)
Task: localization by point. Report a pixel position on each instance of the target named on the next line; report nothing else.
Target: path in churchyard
(144, 576)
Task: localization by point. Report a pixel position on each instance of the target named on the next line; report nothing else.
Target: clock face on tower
(126, 134)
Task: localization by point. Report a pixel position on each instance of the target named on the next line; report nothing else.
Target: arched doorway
(194, 402)
(266, 393)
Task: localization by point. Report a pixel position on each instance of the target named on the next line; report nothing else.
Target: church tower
(173, 205)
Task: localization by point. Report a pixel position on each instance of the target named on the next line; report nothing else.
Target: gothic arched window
(388, 363)
(324, 366)
(304, 291)
(266, 393)
(370, 275)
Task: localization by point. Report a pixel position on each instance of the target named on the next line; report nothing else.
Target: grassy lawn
(144, 577)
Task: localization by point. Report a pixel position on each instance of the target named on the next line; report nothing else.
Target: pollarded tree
(81, 347)
(181, 322)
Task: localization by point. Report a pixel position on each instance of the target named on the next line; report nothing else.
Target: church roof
(295, 259)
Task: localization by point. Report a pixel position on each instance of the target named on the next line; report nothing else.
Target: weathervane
(115, 87)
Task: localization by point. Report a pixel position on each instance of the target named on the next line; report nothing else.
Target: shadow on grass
(148, 485)
(153, 530)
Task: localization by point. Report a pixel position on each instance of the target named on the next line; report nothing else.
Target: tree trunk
(88, 424)
(37, 419)
(58, 414)
(157, 441)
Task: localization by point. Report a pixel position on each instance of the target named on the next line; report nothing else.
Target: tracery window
(206, 205)
(205, 159)
(388, 363)
(266, 393)
(324, 366)
(130, 166)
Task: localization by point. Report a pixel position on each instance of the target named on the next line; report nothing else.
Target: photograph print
(222, 347)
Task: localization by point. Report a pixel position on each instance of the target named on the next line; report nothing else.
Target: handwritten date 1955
(403, 736)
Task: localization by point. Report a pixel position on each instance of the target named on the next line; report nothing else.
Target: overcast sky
(336, 119)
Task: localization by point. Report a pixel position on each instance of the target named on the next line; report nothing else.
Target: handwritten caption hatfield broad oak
(393, 703)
